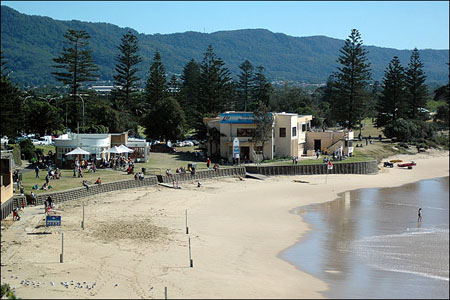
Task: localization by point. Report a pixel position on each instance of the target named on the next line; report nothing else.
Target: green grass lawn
(45, 149)
(67, 181)
(158, 164)
(368, 129)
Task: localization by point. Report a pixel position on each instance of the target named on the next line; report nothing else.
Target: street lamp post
(50, 99)
(25, 99)
(82, 100)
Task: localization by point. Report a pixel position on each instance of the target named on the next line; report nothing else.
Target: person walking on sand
(419, 215)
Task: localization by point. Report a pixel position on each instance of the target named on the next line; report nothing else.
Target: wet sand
(135, 242)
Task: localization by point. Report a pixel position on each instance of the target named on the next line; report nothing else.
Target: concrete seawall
(203, 174)
(366, 167)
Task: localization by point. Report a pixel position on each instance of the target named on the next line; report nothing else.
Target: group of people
(139, 176)
(48, 204)
(85, 183)
(117, 162)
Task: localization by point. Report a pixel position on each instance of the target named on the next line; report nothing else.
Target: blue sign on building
(53, 221)
(237, 118)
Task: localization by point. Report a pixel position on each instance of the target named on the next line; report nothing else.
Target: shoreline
(339, 194)
(137, 238)
(296, 211)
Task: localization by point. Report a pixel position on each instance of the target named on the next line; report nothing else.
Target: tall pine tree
(417, 90)
(216, 85)
(351, 82)
(12, 116)
(156, 88)
(245, 84)
(261, 89)
(125, 99)
(126, 79)
(392, 103)
(77, 62)
(164, 119)
(189, 91)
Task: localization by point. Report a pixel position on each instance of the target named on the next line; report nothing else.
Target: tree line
(168, 108)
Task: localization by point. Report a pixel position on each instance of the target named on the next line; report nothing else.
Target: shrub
(16, 156)
(442, 114)
(409, 130)
(6, 291)
(27, 149)
(403, 145)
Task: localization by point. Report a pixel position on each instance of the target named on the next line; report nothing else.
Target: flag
(330, 165)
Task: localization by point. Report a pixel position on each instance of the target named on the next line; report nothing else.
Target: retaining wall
(128, 184)
(82, 192)
(366, 167)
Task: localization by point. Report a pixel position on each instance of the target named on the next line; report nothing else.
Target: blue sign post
(53, 221)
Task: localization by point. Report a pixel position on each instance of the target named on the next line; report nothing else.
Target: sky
(390, 24)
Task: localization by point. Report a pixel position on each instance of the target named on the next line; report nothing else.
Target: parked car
(179, 144)
(162, 148)
(188, 143)
(36, 142)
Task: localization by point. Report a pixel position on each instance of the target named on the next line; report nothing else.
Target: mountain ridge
(29, 43)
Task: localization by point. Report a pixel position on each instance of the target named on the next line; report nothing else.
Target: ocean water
(368, 243)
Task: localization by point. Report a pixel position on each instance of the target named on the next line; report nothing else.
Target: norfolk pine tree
(392, 102)
(76, 60)
(164, 118)
(126, 80)
(351, 82)
(216, 85)
(12, 117)
(417, 90)
(189, 91)
(245, 84)
(156, 87)
(261, 89)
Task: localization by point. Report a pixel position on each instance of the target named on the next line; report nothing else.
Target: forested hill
(30, 42)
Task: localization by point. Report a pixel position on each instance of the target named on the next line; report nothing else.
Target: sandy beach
(135, 244)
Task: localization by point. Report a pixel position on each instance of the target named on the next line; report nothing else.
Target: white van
(46, 140)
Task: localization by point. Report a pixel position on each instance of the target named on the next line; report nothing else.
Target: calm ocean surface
(369, 244)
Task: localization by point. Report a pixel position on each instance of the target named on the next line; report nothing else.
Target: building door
(245, 153)
(317, 145)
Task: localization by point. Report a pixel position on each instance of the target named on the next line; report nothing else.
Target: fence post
(187, 228)
(62, 248)
(190, 259)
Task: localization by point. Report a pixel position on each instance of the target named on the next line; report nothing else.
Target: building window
(246, 132)
(294, 131)
(303, 127)
(282, 132)
(273, 148)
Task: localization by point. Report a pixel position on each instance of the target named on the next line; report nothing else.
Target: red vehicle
(408, 165)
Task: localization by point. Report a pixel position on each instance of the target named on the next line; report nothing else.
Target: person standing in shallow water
(419, 215)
